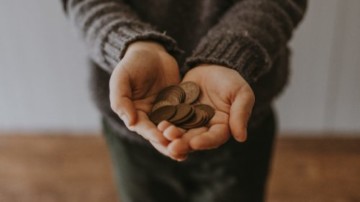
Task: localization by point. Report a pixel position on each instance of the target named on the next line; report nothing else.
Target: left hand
(232, 98)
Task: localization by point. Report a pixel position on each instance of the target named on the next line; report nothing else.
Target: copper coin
(174, 99)
(180, 93)
(164, 93)
(204, 117)
(173, 94)
(163, 113)
(195, 121)
(160, 104)
(192, 91)
(183, 113)
(210, 112)
(187, 118)
(207, 108)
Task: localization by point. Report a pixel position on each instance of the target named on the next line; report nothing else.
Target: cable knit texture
(108, 27)
(249, 36)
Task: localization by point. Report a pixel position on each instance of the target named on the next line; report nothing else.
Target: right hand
(145, 69)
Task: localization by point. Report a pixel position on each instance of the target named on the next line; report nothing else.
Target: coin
(208, 109)
(164, 93)
(160, 104)
(196, 121)
(163, 113)
(192, 91)
(173, 94)
(183, 113)
(179, 104)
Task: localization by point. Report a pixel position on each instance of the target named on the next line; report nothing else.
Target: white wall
(43, 77)
(324, 93)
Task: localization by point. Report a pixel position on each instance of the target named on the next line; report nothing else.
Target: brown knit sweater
(249, 36)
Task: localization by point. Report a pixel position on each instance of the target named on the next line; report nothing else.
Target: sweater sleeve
(109, 26)
(249, 36)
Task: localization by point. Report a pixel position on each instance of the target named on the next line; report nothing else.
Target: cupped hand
(145, 69)
(232, 98)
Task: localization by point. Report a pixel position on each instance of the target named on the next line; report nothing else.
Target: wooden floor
(63, 168)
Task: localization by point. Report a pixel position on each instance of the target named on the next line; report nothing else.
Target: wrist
(146, 45)
(208, 66)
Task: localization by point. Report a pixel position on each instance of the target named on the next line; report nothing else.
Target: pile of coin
(178, 105)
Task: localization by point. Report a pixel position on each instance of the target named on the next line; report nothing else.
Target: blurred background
(46, 111)
(44, 73)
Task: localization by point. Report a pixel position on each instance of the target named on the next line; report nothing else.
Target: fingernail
(243, 137)
(181, 159)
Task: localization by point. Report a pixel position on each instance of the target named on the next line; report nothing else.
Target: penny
(160, 104)
(183, 113)
(177, 93)
(164, 93)
(174, 94)
(192, 91)
(210, 112)
(195, 121)
(208, 109)
(204, 120)
(187, 118)
(174, 99)
(179, 104)
(163, 113)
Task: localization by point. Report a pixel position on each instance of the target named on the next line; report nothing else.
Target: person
(235, 50)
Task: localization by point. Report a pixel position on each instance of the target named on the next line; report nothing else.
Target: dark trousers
(234, 172)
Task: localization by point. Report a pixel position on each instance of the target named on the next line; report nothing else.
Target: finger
(126, 111)
(120, 96)
(172, 132)
(216, 136)
(163, 125)
(179, 148)
(148, 130)
(190, 134)
(183, 158)
(163, 150)
(240, 112)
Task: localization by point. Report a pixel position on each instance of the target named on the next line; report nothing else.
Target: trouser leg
(142, 174)
(235, 172)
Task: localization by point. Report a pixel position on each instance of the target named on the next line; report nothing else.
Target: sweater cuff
(117, 41)
(242, 54)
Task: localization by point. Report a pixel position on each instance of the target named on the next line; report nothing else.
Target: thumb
(240, 112)
(120, 96)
